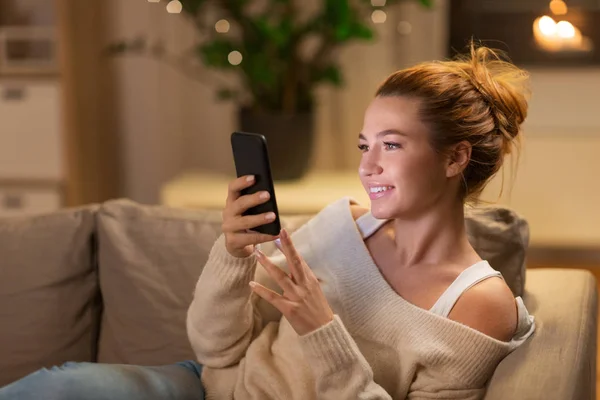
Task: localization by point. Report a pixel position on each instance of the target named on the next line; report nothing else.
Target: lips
(379, 190)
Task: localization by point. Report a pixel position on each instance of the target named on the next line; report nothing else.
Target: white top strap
(368, 225)
(468, 278)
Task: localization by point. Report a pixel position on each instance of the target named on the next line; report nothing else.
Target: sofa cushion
(151, 258)
(500, 236)
(49, 298)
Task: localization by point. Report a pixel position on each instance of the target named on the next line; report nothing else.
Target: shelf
(28, 50)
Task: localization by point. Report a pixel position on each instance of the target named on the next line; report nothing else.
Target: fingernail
(270, 216)
(278, 243)
(250, 178)
(258, 253)
(252, 284)
(264, 195)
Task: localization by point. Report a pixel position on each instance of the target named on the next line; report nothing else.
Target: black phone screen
(251, 157)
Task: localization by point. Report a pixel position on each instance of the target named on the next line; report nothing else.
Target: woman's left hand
(303, 303)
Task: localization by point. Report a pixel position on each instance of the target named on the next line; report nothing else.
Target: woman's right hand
(239, 239)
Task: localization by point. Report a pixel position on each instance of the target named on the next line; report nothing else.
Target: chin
(389, 210)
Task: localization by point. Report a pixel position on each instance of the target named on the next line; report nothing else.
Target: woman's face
(402, 173)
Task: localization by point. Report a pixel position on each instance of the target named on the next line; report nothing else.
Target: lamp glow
(558, 7)
(547, 26)
(565, 30)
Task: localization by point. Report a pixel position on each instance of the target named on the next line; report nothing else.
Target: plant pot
(289, 140)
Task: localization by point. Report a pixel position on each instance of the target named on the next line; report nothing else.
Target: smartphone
(251, 157)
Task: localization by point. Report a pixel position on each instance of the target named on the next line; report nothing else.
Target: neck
(437, 236)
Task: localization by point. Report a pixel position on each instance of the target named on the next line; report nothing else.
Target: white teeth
(377, 189)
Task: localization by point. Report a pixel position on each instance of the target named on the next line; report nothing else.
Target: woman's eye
(391, 145)
(363, 147)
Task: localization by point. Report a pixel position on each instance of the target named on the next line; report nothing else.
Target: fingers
(236, 185)
(241, 240)
(243, 203)
(283, 280)
(294, 259)
(246, 222)
(275, 299)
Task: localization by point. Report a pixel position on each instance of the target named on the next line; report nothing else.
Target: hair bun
(503, 85)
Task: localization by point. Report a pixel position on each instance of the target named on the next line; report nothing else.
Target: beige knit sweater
(378, 346)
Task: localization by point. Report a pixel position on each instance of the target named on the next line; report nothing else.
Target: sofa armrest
(559, 361)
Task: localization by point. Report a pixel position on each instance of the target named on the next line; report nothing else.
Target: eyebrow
(384, 133)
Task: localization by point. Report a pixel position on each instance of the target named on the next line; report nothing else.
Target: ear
(459, 156)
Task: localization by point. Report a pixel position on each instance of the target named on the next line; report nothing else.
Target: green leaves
(216, 52)
(344, 21)
(275, 72)
(330, 74)
(193, 6)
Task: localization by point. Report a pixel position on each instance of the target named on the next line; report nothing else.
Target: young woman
(387, 303)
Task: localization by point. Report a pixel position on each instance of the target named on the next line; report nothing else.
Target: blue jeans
(88, 381)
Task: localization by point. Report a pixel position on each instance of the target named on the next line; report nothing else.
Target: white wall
(172, 123)
(168, 122)
(557, 188)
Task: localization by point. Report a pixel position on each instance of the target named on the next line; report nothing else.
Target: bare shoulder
(357, 210)
(488, 307)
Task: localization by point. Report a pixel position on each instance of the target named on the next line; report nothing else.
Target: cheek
(422, 172)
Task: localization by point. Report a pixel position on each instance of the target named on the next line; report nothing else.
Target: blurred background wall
(133, 123)
(171, 123)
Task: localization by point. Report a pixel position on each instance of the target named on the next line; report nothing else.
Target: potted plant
(280, 57)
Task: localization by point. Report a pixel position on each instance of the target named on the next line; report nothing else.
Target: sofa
(111, 283)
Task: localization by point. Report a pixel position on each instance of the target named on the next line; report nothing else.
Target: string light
(404, 28)
(235, 58)
(174, 7)
(378, 16)
(222, 26)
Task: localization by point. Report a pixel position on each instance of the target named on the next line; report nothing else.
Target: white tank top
(476, 273)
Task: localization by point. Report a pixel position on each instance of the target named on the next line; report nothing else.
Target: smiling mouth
(377, 192)
(379, 189)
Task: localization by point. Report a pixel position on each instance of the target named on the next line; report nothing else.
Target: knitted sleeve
(341, 371)
(222, 319)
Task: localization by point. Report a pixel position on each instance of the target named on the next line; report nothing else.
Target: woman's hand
(303, 302)
(239, 240)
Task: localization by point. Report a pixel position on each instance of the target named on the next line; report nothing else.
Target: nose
(369, 165)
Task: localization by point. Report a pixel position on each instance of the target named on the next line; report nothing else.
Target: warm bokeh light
(379, 16)
(404, 28)
(559, 36)
(235, 58)
(558, 7)
(222, 26)
(174, 7)
(153, 1)
(547, 25)
(565, 30)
